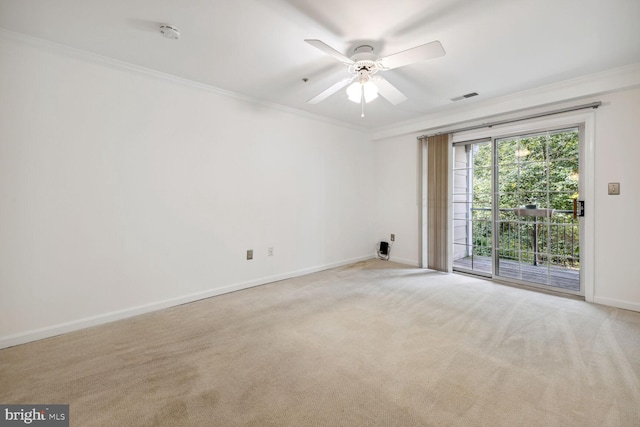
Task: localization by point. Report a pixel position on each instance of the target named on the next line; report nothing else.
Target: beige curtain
(438, 152)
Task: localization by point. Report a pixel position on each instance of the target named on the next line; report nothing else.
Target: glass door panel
(472, 208)
(537, 239)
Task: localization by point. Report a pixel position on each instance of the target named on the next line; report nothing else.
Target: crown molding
(581, 87)
(126, 66)
(612, 80)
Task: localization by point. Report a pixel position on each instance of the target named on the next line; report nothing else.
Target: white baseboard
(617, 303)
(411, 262)
(63, 328)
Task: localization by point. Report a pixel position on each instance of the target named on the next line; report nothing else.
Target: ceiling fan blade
(389, 91)
(330, 91)
(329, 50)
(413, 55)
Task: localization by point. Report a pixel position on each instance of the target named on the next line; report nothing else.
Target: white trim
(450, 205)
(589, 168)
(75, 325)
(526, 126)
(424, 203)
(126, 66)
(541, 97)
(611, 302)
(411, 262)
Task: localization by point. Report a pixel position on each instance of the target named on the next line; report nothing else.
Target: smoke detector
(169, 31)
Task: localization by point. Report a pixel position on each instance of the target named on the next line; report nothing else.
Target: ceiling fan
(364, 84)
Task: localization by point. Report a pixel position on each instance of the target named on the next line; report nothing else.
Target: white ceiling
(256, 47)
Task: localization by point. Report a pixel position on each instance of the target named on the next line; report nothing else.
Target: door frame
(585, 121)
(468, 143)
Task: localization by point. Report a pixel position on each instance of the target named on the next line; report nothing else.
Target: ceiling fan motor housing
(364, 53)
(365, 62)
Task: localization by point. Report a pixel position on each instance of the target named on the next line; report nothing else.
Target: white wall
(617, 229)
(397, 203)
(122, 191)
(617, 233)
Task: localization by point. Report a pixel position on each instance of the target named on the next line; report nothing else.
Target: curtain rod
(529, 117)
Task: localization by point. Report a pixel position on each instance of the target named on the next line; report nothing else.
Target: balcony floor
(556, 276)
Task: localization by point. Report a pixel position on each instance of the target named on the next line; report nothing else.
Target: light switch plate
(614, 188)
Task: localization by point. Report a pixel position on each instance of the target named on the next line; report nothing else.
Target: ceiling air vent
(469, 95)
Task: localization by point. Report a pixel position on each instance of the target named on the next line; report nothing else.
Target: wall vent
(468, 95)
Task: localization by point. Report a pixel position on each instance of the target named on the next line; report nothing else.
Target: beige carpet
(372, 344)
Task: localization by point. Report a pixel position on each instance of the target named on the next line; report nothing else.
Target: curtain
(438, 152)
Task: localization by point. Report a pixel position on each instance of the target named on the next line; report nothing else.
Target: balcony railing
(550, 240)
(540, 250)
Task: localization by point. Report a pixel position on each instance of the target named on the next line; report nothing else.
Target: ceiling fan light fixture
(356, 90)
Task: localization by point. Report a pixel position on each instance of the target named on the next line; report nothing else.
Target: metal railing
(551, 240)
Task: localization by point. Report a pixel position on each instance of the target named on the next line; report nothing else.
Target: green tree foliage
(539, 170)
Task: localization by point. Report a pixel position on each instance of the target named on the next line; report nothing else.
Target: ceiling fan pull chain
(362, 99)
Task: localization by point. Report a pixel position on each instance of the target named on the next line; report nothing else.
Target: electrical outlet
(249, 253)
(393, 237)
(270, 251)
(614, 188)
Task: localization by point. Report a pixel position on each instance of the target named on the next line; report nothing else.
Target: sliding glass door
(513, 209)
